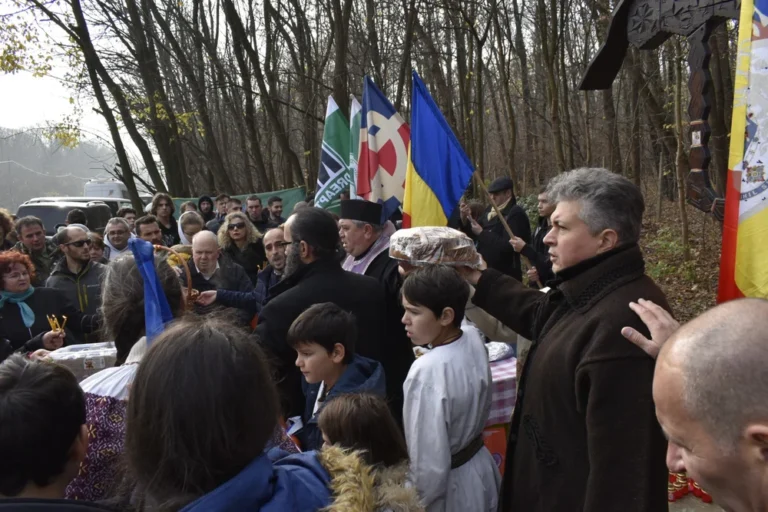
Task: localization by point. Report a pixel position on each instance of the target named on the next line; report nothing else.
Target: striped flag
(335, 175)
(744, 260)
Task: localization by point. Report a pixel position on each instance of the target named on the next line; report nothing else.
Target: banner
(744, 260)
(334, 176)
(384, 139)
(290, 197)
(355, 114)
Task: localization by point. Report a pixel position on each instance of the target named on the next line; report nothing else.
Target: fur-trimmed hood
(358, 487)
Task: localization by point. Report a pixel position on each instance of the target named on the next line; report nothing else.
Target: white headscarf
(182, 236)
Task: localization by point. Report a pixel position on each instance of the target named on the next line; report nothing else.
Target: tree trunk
(682, 159)
(197, 86)
(635, 83)
(718, 142)
(341, 12)
(238, 31)
(548, 35)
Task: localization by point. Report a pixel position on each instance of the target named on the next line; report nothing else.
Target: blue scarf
(27, 315)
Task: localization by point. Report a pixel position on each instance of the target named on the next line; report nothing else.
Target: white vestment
(447, 402)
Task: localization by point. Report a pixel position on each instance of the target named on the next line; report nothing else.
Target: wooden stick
(502, 219)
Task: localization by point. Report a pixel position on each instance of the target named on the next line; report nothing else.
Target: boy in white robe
(447, 397)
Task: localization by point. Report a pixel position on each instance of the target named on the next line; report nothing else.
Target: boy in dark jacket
(324, 339)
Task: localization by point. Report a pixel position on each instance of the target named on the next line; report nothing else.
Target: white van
(105, 188)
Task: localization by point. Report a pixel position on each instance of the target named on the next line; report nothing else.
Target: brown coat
(584, 435)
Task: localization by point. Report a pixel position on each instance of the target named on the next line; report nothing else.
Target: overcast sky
(27, 101)
(31, 102)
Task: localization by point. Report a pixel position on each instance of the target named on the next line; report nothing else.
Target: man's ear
(609, 239)
(756, 436)
(304, 250)
(446, 317)
(339, 353)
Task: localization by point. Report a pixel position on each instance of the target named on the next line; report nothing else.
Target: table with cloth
(504, 377)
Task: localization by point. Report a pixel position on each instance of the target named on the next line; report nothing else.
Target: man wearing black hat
(490, 235)
(366, 241)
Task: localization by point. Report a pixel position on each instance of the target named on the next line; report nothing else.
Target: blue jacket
(296, 483)
(363, 375)
(251, 301)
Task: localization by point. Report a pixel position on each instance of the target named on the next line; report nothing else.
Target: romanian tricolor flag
(438, 169)
(744, 261)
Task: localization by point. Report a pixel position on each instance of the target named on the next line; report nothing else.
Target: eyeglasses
(239, 225)
(283, 245)
(79, 243)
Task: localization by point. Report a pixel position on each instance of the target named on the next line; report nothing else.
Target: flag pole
(501, 218)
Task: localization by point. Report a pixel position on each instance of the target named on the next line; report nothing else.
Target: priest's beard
(292, 263)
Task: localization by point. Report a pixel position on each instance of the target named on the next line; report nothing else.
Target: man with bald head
(710, 389)
(212, 271)
(76, 275)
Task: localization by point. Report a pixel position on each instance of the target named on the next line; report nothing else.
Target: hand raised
(659, 322)
(53, 340)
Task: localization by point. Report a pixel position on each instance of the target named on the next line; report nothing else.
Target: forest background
(229, 96)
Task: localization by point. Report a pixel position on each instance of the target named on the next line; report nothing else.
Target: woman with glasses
(25, 310)
(241, 241)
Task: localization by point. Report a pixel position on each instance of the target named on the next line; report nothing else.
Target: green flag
(355, 113)
(335, 175)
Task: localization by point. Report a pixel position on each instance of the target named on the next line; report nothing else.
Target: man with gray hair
(210, 270)
(584, 434)
(116, 236)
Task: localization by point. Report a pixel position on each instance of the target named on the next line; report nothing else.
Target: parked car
(54, 214)
(114, 203)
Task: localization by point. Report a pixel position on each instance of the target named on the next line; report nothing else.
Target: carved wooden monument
(646, 24)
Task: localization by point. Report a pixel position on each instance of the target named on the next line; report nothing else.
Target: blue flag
(439, 171)
(157, 312)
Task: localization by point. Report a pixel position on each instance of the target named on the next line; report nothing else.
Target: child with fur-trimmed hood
(363, 422)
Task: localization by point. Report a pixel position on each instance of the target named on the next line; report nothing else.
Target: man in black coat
(313, 275)
(489, 233)
(366, 242)
(537, 251)
(258, 216)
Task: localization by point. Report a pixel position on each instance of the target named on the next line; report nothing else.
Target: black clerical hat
(359, 209)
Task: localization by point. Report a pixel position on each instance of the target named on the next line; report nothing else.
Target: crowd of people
(291, 381)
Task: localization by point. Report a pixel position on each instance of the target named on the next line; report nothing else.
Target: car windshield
(51, 215)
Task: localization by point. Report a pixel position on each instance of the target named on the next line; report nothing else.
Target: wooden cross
(646, 24)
